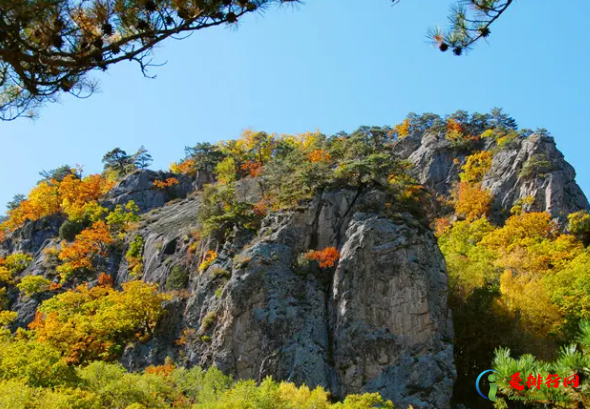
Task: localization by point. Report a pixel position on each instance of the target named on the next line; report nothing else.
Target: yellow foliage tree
(42, 201)
(70, 196)
(209, 257)
(471, 201)
(476, 166)
(13, 264)
(403, 129)
(86, 324)
(77, 194)
(527, 295)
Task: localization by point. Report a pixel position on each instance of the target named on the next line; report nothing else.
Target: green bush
(109, 385)
(177, 279)
(218, 272)
(31, 285)
(17, 262)
(208, 321)
(135, 247)
(70, 229)
(571, 363)
(536, 165)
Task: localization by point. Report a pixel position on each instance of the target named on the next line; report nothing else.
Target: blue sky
(329, 65)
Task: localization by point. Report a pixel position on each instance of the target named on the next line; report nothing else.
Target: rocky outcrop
(377, 322)
(535, 168)
(32, 237)
(528, 166)
(138, 186)
(398, 340)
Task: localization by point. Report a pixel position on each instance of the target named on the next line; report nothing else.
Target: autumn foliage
(472, 202)
(261, 208)
(72, 196)
(209, 257)
(76, 194)
(252, 168)
(81, 254)
(163, 184)
(13, 264)
(31, 285)
(162, 370)
(476, 166)
(319, 156)
(185, 167)
(454, 126)
(105, 280)
(326, 257)
(403, 129)
(86, 324)
(457, 133)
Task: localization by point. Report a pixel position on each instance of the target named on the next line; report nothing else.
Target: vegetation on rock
(520, 283)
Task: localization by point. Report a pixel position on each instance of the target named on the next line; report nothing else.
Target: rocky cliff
(377, 321)
(530, 166)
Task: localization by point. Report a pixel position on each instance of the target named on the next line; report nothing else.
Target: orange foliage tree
(455, 126)
(162, 370)
(105, 280)
(185, 167)
(209, 257)
(403, 129)
(80, 255)
(326, 257)
(252, 168)
(457, 133)
(71, 196)
(319, 156)
(163, 184)
(471, 201)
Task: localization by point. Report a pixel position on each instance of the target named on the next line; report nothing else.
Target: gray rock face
(377, 322)
(138, 186)
(32, 237)
(397, 340)
(554, 188)
(552, 185)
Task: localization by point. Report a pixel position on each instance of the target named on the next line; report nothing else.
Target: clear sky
(331, 65)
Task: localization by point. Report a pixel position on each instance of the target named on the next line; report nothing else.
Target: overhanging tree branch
(49, 46)
(470, 21)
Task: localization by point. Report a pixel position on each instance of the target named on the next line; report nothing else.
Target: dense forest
(518, 282)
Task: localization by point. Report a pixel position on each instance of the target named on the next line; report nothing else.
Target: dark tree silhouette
(142, 158)
(118, 161)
